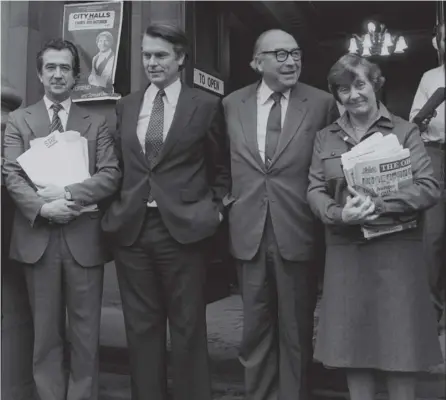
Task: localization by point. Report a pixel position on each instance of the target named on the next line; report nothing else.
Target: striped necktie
(56, 123)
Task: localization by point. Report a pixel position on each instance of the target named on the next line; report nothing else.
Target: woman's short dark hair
(59, 44)
(345, 71)
(173, 35)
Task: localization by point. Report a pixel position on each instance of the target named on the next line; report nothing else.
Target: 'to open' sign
(208, 82)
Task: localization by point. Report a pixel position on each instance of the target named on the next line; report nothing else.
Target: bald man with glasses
(271, 126)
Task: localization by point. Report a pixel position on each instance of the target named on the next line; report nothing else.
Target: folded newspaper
(59, 159)
(377, 166)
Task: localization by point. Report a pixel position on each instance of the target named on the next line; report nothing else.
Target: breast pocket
(335, 181)
(332, 165)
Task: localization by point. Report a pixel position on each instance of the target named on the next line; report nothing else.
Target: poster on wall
(95, 28)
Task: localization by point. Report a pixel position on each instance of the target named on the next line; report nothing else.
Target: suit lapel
(38, 119)
(40, 124)
(130, 123)
(184, 111)
(78, 120)
(248, 119)
(293, 119)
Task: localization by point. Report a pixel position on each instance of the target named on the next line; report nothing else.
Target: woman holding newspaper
(370, 179)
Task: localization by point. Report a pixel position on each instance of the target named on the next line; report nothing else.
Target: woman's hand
(358, 209)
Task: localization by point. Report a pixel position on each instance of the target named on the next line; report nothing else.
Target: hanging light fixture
(377, 41)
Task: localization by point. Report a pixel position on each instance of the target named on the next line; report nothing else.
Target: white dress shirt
(63, 114)
(430, 82)
(264, 105)
(170, 100)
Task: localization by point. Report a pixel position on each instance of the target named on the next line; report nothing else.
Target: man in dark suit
(271, 126)
(59, 245)
(175, 165)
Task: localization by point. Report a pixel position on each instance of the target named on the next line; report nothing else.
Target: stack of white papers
(59, 159)
(377, 166)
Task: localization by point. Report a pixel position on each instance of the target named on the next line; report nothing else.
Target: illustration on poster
(95, 28)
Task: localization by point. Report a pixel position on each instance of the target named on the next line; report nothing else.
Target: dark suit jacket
(188, 179)
(31, 232)
(283, 186)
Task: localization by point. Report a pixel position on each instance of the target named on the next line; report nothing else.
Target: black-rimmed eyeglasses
(282, 55)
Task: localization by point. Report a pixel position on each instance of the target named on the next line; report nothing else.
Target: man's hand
(358, 209)
(51, 192)
(426, 121)
(60, 211)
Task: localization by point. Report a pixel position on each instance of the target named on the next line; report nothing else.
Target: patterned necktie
(56, 123)
(273, 128)
(154, 134)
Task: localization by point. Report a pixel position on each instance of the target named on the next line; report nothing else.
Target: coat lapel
(38, 119)
(78, 120)
(39, 122)
(248, 118)
(293, 119)
(184, 111)
(130, 123)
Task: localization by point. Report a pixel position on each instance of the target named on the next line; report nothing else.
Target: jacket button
(145, 200)
(333, 153)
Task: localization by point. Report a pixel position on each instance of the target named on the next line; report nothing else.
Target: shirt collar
(66, 104)
(383, 118)
(264, 92)
(172, 92)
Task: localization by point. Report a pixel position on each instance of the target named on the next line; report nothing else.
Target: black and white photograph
(223, 200)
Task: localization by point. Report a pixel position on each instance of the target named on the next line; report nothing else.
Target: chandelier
(377, 41)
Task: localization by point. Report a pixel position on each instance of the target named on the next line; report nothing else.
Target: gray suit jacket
(283, 186)
(31, 233)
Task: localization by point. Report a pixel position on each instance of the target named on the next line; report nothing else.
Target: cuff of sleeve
(37, 219)
(78, 194)
(337, 215)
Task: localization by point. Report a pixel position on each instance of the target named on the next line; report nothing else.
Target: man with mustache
(175, 164)
(271, 126)
(60, 248)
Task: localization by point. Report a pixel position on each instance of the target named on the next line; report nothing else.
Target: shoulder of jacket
(313, 92)
(21, 112)
(204, 96)
(238, 94)
(130, 97)
(401, 124)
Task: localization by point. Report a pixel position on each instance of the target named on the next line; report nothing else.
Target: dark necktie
(273, 128)
(154, 134)
(56, 123)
